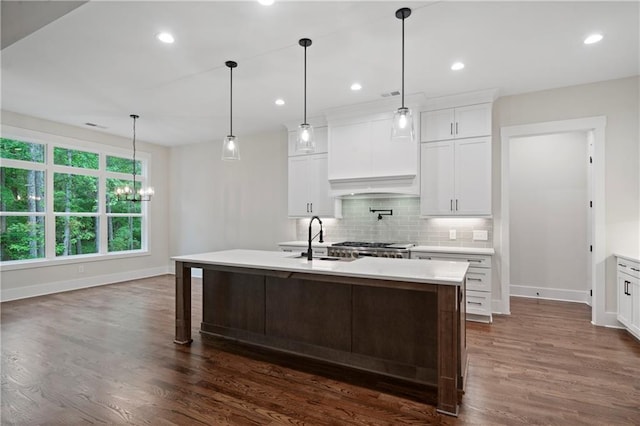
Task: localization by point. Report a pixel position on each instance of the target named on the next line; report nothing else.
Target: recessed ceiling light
(593, 38)
(279, 102)
(457, 66)
(165, 38)
(265, 2)
(356, 86)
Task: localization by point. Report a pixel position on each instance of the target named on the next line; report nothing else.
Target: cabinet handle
(451, 130)
(311, 204)
(307, 207)
(474, 260)
(474, 279)
(456, 127)
(626, 287)
(469, 302)
(623, 265)
(456, 204)
(634, 269)
(451, 205)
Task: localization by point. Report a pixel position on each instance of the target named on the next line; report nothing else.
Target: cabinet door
(625, 303)
(473, 177)
(437, 125)
(299, 176)
(436, 178)
(472, 121)
(321, 204)
(634, 290)
(388, 157)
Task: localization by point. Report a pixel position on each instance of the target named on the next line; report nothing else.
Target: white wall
(47, 279)
(618, 100)
(548, 204)
(220, 205)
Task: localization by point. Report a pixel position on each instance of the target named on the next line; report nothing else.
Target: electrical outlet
(452, 234)
(480, 235)
(81, 269)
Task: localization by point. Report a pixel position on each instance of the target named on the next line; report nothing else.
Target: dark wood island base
(413, 331)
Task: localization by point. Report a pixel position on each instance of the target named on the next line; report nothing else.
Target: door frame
(596, 127)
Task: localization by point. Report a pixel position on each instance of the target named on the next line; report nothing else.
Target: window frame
(51, 141)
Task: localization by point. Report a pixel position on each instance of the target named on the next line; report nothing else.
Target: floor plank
(106, 355)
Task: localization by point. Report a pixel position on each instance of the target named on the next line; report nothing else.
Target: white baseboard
(578, 296)
(61, 286)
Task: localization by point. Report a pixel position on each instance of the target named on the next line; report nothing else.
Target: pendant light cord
(231, 101)
(402, 62)
(134, 154)
(305, 84)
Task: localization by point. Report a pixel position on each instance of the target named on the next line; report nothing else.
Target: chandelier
(134, 194)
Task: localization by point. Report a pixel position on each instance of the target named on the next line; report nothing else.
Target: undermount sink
(328, 258)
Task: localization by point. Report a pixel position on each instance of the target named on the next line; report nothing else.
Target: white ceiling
(101, 61)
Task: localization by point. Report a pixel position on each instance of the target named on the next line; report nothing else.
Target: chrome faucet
(309, 250)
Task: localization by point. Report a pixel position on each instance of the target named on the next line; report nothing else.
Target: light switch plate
(452, 234)
(480, 235)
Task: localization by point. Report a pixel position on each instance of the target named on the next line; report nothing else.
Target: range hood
(362, 158)
(376, 186)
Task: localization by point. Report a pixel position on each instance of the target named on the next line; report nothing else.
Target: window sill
(84, 258)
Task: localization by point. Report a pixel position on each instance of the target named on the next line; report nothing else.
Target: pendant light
(126, 193)
(402, 119)
(230, 147)
(305, 141)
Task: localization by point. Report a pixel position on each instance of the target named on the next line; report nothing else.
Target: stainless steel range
(361, 249)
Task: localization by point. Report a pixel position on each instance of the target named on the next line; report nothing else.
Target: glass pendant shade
(403, 125)
(230, 148)
(305, 142)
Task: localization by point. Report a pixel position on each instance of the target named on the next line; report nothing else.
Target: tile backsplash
(405, 225)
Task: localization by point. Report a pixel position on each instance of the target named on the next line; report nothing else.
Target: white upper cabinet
(456, 178)
(308, 184)
(456, 123)
(309, 188)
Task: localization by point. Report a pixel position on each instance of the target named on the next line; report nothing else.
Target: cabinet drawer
(478, 302)
(475, 260)
(317, 251)
(628, 267)
(479, 279)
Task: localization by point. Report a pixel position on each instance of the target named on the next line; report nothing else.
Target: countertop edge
(200, 258)
(629, 258)
(454, 250)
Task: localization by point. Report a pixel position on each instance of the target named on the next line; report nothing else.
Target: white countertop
(455, 250)
(629, 258)
(409, 270)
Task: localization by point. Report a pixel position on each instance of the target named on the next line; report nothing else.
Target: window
(59, 202)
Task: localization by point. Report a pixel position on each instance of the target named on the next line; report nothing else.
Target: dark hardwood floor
(106, 355)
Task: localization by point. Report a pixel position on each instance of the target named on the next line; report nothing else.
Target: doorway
(548, 208)
(593, 128)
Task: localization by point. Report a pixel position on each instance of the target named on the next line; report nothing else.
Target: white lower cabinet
(479, 284)
(629, 294)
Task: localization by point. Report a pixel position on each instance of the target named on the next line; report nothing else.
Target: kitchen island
(398, 317)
